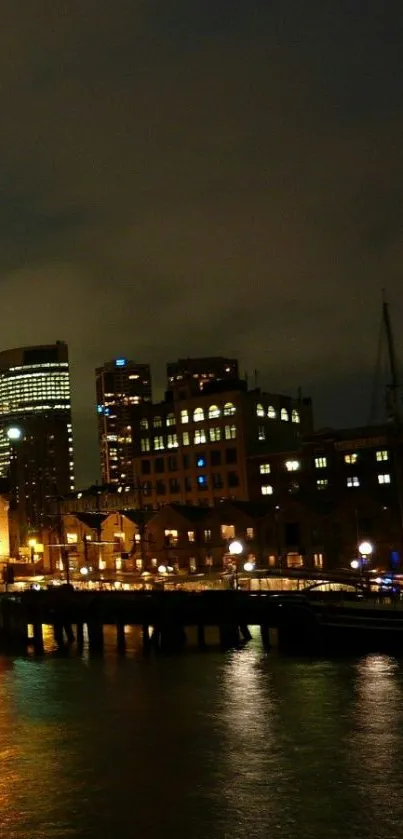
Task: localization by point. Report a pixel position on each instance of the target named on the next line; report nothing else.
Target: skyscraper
(36, 440)
(120, 384)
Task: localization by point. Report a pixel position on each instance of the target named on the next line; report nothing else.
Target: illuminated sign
(120, 362)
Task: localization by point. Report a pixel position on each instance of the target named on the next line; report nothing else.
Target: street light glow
(14, 433)
(84, 571)
(235, 548)
(365, 548)
(355, 564)
(162, 569)
(249, 566)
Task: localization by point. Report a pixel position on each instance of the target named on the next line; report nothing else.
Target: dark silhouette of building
(201, 371)
(120, 384)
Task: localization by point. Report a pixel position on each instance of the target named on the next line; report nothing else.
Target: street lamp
(365, 549)
(32, 545)
(235, 549)
(249, 566)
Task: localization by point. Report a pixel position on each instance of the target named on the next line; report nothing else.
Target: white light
(235, 548)
(355, 564)
(365, 548)
(162, 569)
(84, 571)
(249, 566)
(378, 581)
(14, 433)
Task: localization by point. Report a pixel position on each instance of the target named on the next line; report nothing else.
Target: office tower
(120, 384)
(36, 440)
(201, 371)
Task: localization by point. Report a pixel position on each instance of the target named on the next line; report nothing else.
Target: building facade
(120, 384)
(36, 437)
(193, 448)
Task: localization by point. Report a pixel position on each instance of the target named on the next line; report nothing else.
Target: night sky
(203, 177)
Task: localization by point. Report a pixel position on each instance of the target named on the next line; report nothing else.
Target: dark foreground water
(213, 746)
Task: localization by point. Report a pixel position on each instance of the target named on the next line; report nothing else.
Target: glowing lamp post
(365, 549)
(235, 549)
(14, 434)
(32, 545)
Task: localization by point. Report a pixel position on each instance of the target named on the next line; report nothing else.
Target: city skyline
(197, 178)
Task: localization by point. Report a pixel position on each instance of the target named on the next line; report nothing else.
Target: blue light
(100, 409)
(201, 480)
(201, 462)
(120, 362)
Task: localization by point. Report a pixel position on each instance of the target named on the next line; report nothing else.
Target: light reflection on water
(241, 744)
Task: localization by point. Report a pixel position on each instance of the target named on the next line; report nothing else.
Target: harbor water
(245, 744)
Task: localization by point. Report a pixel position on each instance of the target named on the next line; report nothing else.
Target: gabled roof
(93, 520)
(250, 508)
(191, 512)
(137, 516)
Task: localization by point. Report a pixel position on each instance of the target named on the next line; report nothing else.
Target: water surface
(201, 746)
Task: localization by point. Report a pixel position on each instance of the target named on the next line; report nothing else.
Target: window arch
(271, 412)
(213, 412)
(259, 410)
(144, 424)
(295, 416)
(284, 415)
(198, 415)
(229, 409)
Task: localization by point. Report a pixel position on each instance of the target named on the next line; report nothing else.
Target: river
(238, 745)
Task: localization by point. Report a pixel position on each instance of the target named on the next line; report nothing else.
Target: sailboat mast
(393, 387)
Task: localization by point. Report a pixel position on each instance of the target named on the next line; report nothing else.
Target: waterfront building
(193, 447)
(120, 384)
(36, 437)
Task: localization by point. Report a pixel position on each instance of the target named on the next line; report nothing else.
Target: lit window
(351, 458)
(227, 531)
(202, 481)
(215, 434)
(213, 412)
(198, 415)
(264, 468)
(292, 465)
(171, 419)
(320, 462)
(353, 481)
(72, 538)
(157, 422)
(173, 441)
(145, 444)
(383, 479)
(318, 560)
(259, 410)
(261, 432)
(295, 416)
(144, 424)
(230, 432)
(229, 409)
(322, 483)
(271, 412)
(200, 436)
(284, 415)
(171, 537)
(191, 535)
(250, 533)
(158, 443)
(185, 438)
(184, 417)
(192, 564)
(382, 455)
(267, 489)
(207, 535)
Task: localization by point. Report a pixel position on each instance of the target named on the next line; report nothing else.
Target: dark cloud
(187, 176)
